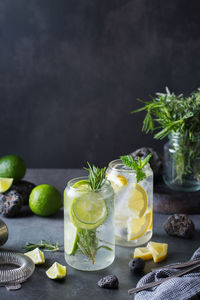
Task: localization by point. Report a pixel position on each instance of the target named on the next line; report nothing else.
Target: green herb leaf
(47, 246)
(130, 162)
(96, 176)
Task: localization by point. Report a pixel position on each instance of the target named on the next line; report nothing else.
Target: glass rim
(76, 179)
(118, 161)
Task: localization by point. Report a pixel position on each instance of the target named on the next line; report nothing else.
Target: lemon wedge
(36, 255)
(118, 181)
(158, 250)
(137, 227)
(56, 271)
(5, 184)
(138, 200)
(143, 252)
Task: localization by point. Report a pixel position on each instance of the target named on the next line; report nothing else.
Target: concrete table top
(79, 285)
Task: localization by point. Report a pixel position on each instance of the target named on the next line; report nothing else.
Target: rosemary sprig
(47, 246)
(130, 162)
(96, 176)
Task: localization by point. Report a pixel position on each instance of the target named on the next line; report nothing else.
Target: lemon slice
(56, 271)
(158, 250)
(88, 211)
(138, 200)
(36, 255)
(137, 227)
(5, 184)
(118, 182)
(143, 252)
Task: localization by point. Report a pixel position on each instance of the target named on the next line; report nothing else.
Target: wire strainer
(15, 268)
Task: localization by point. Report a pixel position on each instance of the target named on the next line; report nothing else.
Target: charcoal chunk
(109, 282)
(136, 265)
(155, 161)
(24, 188)
(10, 203)
(179, 225)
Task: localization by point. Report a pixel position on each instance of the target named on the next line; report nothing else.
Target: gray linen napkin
(179, 288)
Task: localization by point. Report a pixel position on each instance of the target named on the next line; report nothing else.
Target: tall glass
(133, 204)
(88, 225)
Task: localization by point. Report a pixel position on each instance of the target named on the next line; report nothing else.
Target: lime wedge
(56, 271)
(36, 255)
(5, 184)
(71, 237)
(88, 211)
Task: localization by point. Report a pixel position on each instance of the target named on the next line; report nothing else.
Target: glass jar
(88, 225)
(133, 204)
(181, 164)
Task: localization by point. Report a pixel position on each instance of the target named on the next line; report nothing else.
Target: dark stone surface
(80, 285)
(70, 73)
(169, 201)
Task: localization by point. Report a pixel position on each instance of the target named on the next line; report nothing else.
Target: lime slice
(88, 211)
(56, 271)
(71, 237)
(36, 255)
(5, 184)
(82, 185)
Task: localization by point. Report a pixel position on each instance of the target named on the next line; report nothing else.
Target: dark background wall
(71, 70)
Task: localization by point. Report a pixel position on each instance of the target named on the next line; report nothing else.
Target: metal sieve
(15, 268)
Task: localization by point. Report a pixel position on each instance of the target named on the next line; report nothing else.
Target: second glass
(133, 204)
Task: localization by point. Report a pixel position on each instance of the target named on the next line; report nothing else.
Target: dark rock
(136, 265)
(109, 282)
(155, 160)
(10, 203)
(180, 225)
(24, 188)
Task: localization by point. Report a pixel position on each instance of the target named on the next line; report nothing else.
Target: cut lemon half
(88, 211)
(71, 238)
(56, 271)
(138, 200)
(36, 255)
(143, 252)
(137, 227)
(158, 250)
(5, 184)
(118, 182)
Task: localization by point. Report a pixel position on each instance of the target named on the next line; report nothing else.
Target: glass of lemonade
(88, 225)
(133, 204)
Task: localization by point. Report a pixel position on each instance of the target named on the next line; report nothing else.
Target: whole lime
(45, 200)
(12, 166)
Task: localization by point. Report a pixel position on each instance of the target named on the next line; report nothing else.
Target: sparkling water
(104, 232)
(123, 214)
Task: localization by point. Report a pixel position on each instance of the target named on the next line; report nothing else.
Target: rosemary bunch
(167, 113)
